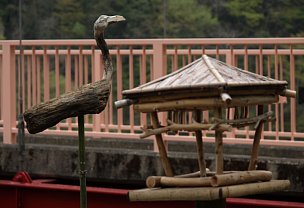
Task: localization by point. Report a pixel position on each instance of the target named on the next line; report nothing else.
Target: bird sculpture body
(89, 99)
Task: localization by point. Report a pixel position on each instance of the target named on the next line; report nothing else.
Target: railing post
(8, 93)
(159, 59)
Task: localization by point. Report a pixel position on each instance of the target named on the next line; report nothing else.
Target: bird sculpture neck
(108, 66)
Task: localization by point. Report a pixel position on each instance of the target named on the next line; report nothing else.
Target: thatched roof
(204, 74)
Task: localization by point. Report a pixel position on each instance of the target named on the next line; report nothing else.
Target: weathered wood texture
(240, 178)
(200, 145)
(89, 99)
(207, 193)
(163, 181)
(161, 146)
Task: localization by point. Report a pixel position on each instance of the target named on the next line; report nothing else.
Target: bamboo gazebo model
(207, 84)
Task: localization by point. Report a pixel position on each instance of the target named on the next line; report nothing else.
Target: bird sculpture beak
(115, 18)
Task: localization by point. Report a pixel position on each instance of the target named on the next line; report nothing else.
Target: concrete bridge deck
(129, 162)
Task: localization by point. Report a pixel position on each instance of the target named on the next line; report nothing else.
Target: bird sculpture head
(103, 22)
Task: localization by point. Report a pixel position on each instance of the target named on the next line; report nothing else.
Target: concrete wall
(129, 162)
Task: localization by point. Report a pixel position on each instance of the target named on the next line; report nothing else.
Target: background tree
(185, 18)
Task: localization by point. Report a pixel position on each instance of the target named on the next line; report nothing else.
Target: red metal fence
(52, 67)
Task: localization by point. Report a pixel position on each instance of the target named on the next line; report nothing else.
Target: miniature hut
(207, 84)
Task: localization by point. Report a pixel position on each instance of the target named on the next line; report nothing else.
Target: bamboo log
(207, 193)
(123, 103)
(219, 159)
(245, 121)
(256, 141)
(289, 93)
(204, 103)
(179, 127)
(197, 174)
(194, 174)
(240, 178)
(226, 98)
(199, 145)
(89, 99)
(162, 181)
(161, 147)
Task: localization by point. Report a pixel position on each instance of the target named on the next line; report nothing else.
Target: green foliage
(147, 19)
(70, 17)
(188, 18)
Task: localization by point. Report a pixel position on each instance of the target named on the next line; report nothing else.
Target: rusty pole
(82, 171)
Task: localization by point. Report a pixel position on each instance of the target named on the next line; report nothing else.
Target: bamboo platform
(207, 193)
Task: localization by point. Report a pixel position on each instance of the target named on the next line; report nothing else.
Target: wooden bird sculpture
(88, 99)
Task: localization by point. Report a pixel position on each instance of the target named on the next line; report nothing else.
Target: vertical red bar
(292, 100)
(282, 104)
(34, 87)
(57, 75)
(189, 54)
(57, 78)
(269, 75)
(29, 81)
(246, 69)
(46, 74)
(68, 80)
(76, 72)
(175, 59)
(23, 80)
(276, 76)
(119, 89)
(143, 78)
(231, 55)
(38, 79)
(246, 58)
(217, 52)
(131, 86)
(80, 66)
(86, 70)
(261, 60)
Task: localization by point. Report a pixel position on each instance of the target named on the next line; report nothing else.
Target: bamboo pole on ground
(200, 146)
(162, 181)
(161, 147)
(256, 141)
(82, 171)
(207, 193)
(240, 178)
(219, 160)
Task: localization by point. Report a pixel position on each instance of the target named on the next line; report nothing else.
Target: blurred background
(59, 19)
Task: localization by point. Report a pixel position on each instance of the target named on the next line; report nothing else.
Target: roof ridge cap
(213, 70)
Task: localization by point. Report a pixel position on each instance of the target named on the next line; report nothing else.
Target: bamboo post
(256, 141)
(161, 147)
(82, 172)
(207, 193)
(199, 145)
(240, 178)
(163, 181)
(219, 160)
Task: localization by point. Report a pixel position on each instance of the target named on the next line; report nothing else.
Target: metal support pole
(20, 137)
(82, 172)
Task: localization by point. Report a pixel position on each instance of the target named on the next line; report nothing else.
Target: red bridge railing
(52, 67)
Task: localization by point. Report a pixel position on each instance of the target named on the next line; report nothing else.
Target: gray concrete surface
(129, 162)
